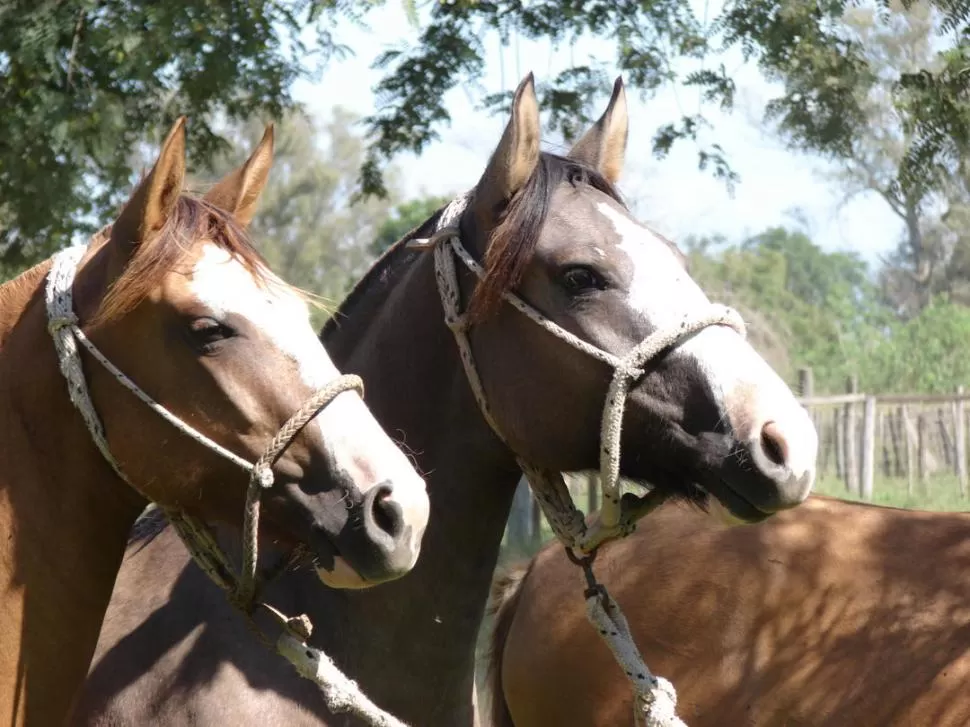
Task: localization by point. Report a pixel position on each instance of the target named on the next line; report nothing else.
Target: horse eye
(581, 279)
(206, 332)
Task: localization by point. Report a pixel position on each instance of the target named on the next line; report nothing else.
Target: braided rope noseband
(656, 698)
(340, 693)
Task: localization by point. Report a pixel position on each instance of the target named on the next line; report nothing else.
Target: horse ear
(603, 147)
(154, 200)
(515, 157)
(238, 192)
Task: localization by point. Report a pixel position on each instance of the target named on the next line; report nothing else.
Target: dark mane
(193, 219)
(513, 241)
(395, 256)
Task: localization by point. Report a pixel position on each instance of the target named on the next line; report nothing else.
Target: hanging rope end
(658, 705)
(265, 477)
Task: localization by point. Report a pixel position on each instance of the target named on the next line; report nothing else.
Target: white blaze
(747, 391)
(355, 440)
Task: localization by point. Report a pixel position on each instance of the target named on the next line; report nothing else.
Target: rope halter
(340, 693)
(64, 328)
(655, 700)
(618, 515)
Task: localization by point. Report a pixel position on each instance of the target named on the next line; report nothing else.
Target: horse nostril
(774, 444)
(386, 513)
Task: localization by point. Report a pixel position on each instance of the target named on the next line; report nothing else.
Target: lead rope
(655, 697)
(341, 694)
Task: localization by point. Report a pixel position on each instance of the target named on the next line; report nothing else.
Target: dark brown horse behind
(830, 615)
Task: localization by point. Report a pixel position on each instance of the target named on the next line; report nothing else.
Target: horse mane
(16, 293)
(192, 219)
(396, 257)
(148, 526)
(511, 243)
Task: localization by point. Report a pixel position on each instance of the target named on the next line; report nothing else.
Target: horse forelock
(193, 221)
(512, 242)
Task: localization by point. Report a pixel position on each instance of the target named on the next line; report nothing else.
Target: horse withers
(174, 302)
(710, 416)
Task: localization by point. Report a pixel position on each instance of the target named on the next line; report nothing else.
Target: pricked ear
(515, 157)
(154, 200)
(603, 147)
(238, 192)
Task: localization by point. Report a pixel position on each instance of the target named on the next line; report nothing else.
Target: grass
(940, 493)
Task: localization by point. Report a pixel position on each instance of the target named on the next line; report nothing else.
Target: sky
(777, 187)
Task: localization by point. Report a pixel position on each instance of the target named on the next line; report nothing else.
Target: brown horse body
(54, 593)
(553, 230)
(830, 615)
(156, 296)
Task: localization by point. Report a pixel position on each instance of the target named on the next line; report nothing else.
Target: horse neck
(426, 623)
(64, 515)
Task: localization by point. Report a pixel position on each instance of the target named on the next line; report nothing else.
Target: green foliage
(808, 307)
(804, 45)
(404, 218)
(84, 82)
(929, 353)
(804, 306)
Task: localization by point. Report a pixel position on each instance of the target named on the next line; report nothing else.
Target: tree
(878, 156)
(804, 306)
(404, 218)
(306, 226)
(84, 82)
(801, 44)
(929, 353)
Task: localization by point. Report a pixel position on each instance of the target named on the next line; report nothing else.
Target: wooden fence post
(911, 463)
(883, 439)
(959, 420)
(520, 519)
(949, 459)
(536, 523)
(851, 443)
(838, 441)
(868, 448)
(895, 435)
(922, 445)
(806, 382)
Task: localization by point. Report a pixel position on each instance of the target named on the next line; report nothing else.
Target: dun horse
(709, 417)
(174, 296)
(833, 614)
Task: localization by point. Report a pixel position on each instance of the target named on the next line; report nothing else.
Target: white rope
(655, 700)
(612, 520)
(340, 693)
(63, 325)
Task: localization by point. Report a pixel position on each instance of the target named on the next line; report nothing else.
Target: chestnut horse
(835, 613)
(175, 296)
(711, 416)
